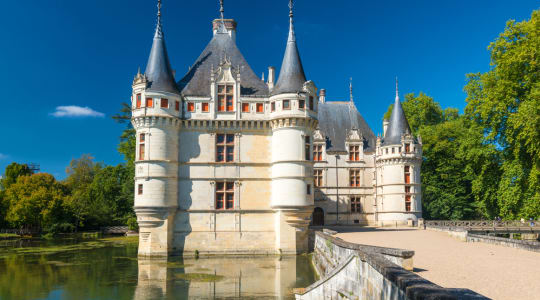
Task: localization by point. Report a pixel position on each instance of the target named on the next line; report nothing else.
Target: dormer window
(225, 97)
(354, 153)
(260, 107)
(301, 104)
(287, 104)
(190, 107)
(407, 148)
(149, 102)
(205, 107)
(245, 107)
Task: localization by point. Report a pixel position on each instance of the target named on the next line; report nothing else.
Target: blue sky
(67, 65)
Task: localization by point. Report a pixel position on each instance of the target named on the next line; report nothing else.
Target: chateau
(227, 162)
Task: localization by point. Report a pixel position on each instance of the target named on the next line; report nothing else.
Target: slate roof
(197, 80)
(398, 125)
(291, 75)
(158, 69)
(336, 118)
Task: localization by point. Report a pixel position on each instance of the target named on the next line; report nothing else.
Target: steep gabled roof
(158, 69)
(398, 124)
(197, 80)
(336, 118)
(291, 75)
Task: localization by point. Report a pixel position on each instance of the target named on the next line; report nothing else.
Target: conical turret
(398, 123)
(291, 76)
(158, 69)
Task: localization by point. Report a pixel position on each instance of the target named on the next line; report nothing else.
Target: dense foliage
(486, 162)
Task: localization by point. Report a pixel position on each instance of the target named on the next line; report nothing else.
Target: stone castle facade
(229, 163)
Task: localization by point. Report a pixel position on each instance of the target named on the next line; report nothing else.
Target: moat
(108, 268)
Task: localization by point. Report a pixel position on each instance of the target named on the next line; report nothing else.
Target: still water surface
(109, 269)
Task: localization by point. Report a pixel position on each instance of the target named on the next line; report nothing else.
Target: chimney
(230, 25)
(385, 126)
(271, 77)
(322, 95)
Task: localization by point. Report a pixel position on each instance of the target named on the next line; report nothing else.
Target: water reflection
(224, 277)
(91, 270)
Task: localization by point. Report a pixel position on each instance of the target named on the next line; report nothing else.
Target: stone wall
(353, 271)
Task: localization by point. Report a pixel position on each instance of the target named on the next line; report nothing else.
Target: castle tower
(398, 161)
(293, 119)
(155, 117)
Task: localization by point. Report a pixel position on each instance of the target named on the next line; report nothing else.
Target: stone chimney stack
(322, 95)
(230, 25)
(385, 126)
(271, 77)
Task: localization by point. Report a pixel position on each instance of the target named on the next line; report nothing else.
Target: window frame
(245, 107)
(138, 100)
(301, 104)
(354, 152)
(224, 195)
(205, 107)
(190, 106)
(273, 106)
(317, 178)
(356, 204)
(142, 150)
(164, 103)
(223, 97)
(261, 106)
(177, 105)
(307, 141)
(354, 178)
(140, 189)
(150, 102)
(226, 147)
(317, 152)
(407, 174)
(288, 107)
(311, 103)
(408, 203)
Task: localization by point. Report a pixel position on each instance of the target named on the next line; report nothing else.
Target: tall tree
(13, 171)
(505, 103)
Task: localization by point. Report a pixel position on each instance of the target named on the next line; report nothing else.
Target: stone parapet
(353, 271)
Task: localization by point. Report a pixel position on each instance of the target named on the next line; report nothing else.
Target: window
(224, 195)
(354, 153)
(407, 189)
(149, 102)
(393, 149)
(164, 103)
(308, 189)
(190, 106)
(245, 107)
(354, 175)
(317, 152)
(205, 107)
(141, 146)
(407, 174)
(301, 104)
(140, 189)
(407, 148)
(138, 100)
(273, 106)
(225, 148)
(386, 150)
(356, 206)
(286, 104)
(225, 97)
(399, 151)
(177, 105)
(308, 143)
(317, 177)
(310, 102)
(260, 108)
(408, 203)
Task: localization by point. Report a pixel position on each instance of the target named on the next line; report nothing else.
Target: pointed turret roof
(291, 76)
(158, 69)
(398, 123)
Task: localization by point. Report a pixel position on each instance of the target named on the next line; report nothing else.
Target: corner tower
(155, 117)
(293, 119)
(398, 161)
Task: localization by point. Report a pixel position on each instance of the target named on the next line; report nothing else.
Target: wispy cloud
(3, 156)
(76, 111)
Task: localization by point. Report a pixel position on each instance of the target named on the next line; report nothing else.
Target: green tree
(13, 171)
(36, 201)
(505, 103)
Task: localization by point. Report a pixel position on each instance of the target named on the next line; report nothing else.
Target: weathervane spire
(292, 36)
(397, 89)
(159, 31)
(221, 9)
(351, 90)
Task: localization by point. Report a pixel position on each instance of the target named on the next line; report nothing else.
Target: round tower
(156, 119)
(293, 118)
(398, 161)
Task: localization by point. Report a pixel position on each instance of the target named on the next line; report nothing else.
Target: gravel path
(494, 271)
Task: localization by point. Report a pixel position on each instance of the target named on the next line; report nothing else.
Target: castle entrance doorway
(318, 217)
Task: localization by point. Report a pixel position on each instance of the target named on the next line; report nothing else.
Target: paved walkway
(494, 271)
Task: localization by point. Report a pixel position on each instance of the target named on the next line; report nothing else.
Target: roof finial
(351, 90)
(291, 14)
(397, 90)
(221, 9)
(292, 36)
(159, 32)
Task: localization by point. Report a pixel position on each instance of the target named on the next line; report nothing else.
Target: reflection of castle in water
(229, 277)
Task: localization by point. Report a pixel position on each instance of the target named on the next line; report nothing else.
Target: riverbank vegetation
(485, 162)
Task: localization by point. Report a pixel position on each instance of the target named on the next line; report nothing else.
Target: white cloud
(76, 111)
(3, 156)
